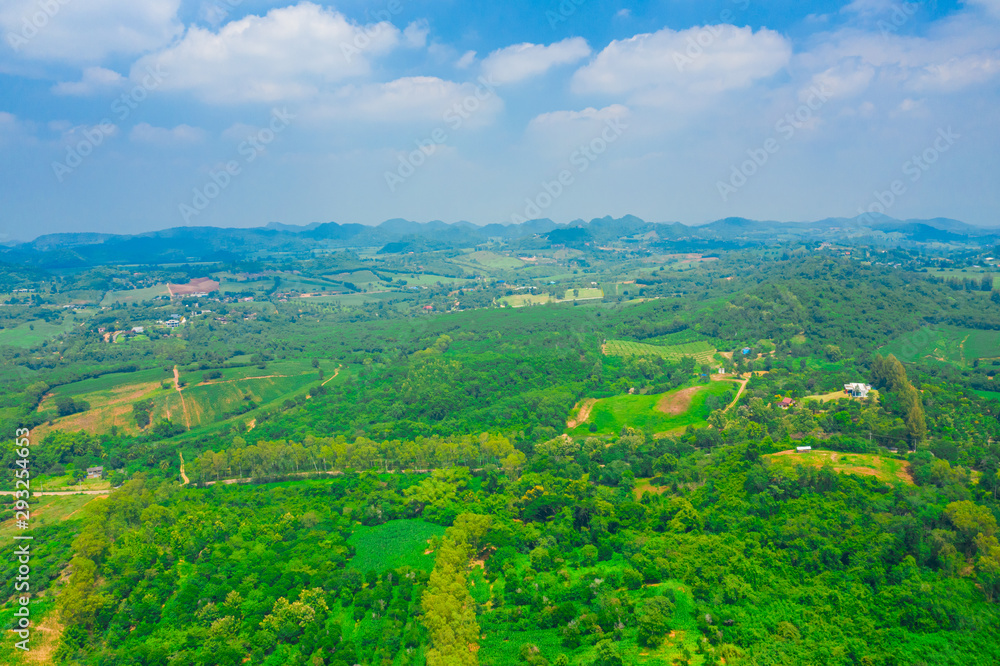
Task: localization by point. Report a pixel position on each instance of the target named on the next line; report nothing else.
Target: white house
(857, 390)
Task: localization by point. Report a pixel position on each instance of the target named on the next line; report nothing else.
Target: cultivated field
(394, 544)
(701, 351)
(949, 344)
(199, 403)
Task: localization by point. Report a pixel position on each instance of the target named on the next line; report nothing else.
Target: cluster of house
(857, 390)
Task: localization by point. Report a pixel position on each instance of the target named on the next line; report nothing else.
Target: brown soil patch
(673, 404)
(582, 414)
(45, 640)
(193, 287)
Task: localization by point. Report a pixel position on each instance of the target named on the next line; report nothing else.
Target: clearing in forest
(662, 412)
(394, 544)
(886, 469)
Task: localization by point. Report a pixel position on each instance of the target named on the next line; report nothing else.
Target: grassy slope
(639, 411)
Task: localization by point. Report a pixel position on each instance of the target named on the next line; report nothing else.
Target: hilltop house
(786, 403)
(95, 472)
(857, 390)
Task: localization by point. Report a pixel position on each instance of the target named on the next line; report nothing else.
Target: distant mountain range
(188, 244)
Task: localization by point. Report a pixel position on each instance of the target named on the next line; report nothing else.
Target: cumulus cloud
(669, 66)
(522, 61)
(409, 99)
(94, 80)
(87, 30)
(162, 136)
(590, 114)
(291, 53)
(849, 78)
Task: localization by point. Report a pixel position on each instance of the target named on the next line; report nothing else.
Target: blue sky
(130, 115)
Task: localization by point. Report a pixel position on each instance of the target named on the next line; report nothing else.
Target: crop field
(486, 259)
(394, 544)
(886, 469)
(662, 412)
(135, 295)
(948, 344)
(701, 351)
(583, 294)
(520, 300)
(111, 396)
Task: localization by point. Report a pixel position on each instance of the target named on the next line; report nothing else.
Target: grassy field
(135, 295)
(662, 412)
(835, 395)
(32, 333)
(701, 351)
(485, 259)
(949, 344)
(520, 300)
(50, 509)
(394, 544)
(889, 470)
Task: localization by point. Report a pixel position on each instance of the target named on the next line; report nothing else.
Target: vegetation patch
(394, 544)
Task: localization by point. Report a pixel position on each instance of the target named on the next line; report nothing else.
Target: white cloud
(411, 99)
(95, 79)
(162, 136)
(467, 59)
(956, 73)
(290, 54)
(415, 34)
(590, 114)
(521, 61)
(848, 78)
(669, 67)
(87, 30)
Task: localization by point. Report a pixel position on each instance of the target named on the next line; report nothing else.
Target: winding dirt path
(743, 385)
(177, 385)
(335, 373)
(184, 476)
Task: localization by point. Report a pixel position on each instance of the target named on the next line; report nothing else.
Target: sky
(125, 116)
